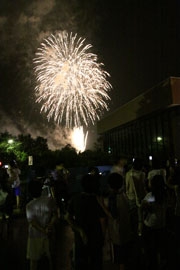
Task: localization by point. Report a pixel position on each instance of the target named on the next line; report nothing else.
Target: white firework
(79, 139)
(71, 85)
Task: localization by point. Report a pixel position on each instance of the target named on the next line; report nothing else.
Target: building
(148, 125)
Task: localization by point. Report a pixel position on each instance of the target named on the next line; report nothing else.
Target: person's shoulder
(129, 172)
(44, 198)
(152, 173)
(45, 201)
(137, 172)
(31, 203)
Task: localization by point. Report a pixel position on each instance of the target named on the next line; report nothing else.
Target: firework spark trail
(71, 85)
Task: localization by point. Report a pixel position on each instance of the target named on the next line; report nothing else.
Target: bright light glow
(159, 139)
(71, 84)
(10, 141)
(79, 139)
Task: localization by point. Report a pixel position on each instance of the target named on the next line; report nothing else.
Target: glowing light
(71, 85)
(79, 139)
(159, 139)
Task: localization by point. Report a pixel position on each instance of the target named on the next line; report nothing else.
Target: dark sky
(137, 40)
(142, 46)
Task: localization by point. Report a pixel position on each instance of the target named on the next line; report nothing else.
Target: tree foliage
(23, 146)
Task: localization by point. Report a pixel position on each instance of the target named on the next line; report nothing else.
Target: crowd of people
(133, 221)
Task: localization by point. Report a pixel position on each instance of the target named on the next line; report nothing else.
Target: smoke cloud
(23, 26)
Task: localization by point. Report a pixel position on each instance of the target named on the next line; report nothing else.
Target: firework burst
(79, 139)
(71, 85)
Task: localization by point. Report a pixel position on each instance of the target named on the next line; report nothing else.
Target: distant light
(10, 141)
(159, 139)
(109, 150)
(30, 160)
(150, 157)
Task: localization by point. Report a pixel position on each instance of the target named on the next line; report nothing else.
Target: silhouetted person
(87, 217)
(119, 222)
(154, 207)
(135, 191)
(14, 180)
(119, 166)
(41, 213)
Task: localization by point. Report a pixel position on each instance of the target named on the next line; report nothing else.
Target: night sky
(138, 42)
